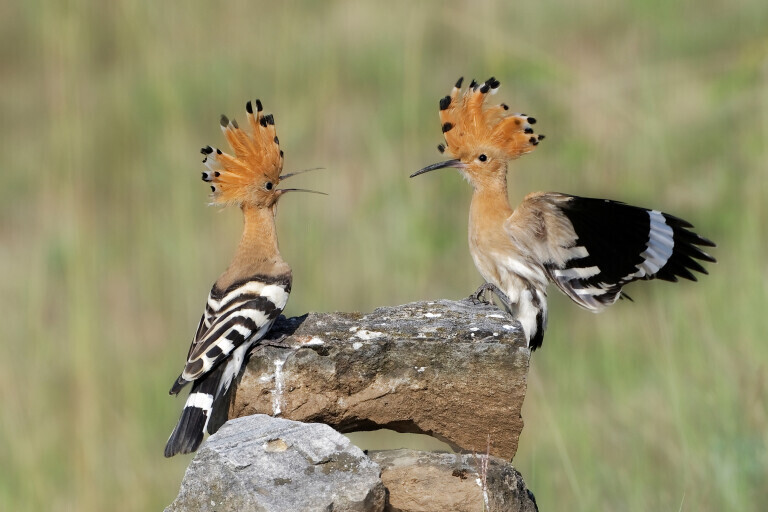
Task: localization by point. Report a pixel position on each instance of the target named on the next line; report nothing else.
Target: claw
(479, 297)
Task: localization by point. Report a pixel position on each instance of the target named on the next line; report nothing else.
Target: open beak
(286, 176)
(456, 163)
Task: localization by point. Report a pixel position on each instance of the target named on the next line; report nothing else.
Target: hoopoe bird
(588, 248)
(251, 293)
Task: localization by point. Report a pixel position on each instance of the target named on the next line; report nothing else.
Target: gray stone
(437, 482)
(451, 369)
(260, 463)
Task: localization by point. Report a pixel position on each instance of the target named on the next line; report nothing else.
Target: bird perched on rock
(589, 248)
(248, 297)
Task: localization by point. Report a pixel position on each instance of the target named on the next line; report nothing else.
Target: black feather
(615, 236)
(538, 338)
(189, 432)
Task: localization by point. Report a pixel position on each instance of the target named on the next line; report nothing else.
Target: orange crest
(469, 126)
(255, 168)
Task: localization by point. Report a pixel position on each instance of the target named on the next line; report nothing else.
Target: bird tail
(257, 154)
(205, 398)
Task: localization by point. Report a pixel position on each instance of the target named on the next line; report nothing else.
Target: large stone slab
(419, 481)
(450, 369)
(265, 464)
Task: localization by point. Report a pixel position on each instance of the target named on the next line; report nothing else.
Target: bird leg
(479, 297)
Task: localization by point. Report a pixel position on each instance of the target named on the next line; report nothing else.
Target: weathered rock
(449, 369)
(260, 463)
(437, 482)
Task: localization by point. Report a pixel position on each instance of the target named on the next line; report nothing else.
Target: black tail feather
(189, 432)
(220, 413)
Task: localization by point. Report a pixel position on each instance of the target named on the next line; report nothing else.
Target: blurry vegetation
(108, 249)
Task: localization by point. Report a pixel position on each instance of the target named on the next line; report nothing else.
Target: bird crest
(252, 174)
(469, 126)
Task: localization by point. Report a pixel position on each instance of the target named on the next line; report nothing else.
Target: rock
(260, 463)
(449, 369)
(437, 482)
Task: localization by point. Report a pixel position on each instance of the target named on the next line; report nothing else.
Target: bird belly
(509, 273)
(524, 283)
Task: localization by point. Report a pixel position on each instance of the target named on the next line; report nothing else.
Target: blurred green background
(108, 249)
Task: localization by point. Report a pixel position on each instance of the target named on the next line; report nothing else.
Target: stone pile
(453, 370)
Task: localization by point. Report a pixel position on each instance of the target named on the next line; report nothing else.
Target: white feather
(590, 290)
(202, 401)
(659, 248)
(276, 294)
(577, 273)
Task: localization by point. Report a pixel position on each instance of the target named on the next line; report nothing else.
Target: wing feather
(591, 248)
(240, 314)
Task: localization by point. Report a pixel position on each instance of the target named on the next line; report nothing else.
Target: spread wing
(591, 248)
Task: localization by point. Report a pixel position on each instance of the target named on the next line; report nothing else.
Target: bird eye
(482, 158)
(268, 186)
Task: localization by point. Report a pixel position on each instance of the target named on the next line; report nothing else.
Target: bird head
(481, 139)
(250, 177)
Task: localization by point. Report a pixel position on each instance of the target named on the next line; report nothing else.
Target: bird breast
(504, 264)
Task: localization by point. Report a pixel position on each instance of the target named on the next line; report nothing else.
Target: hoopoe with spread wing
(249, 296)
(589, 248)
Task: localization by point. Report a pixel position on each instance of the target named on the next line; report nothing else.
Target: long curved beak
(456, 163)
(286, 176)
(284, 190)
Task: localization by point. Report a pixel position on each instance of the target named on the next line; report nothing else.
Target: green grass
(108, 249)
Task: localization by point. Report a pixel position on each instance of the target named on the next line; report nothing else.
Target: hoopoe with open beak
(251, 293)
(589, 248)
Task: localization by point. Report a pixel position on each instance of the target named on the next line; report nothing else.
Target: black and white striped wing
(616, 243)
(234, 320)
(243, 312)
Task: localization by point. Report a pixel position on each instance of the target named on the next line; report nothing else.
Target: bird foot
(481, 295)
